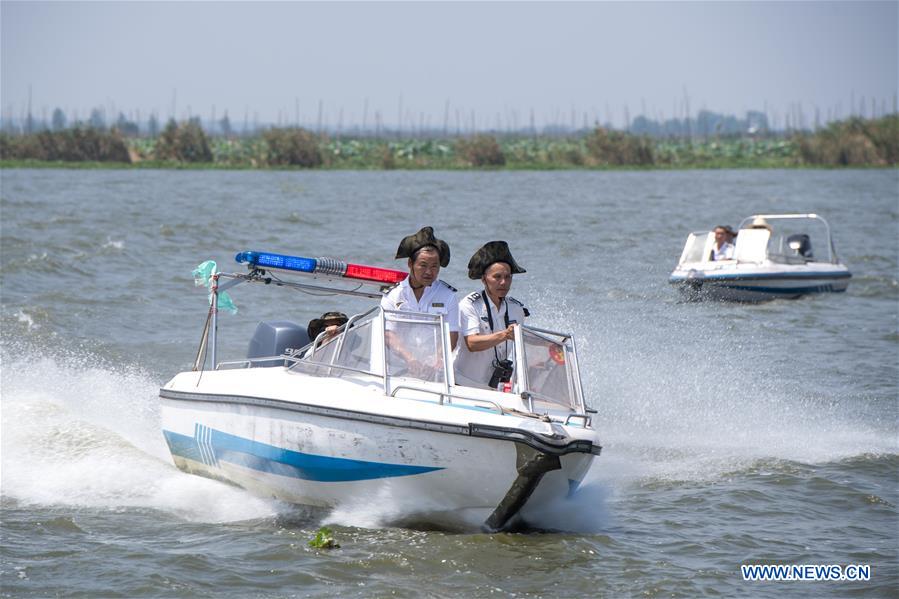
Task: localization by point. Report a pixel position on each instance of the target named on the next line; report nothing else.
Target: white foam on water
(78, 431)
(81, 433)
(113, 244)
(26, 319)
(586, 511)
(393, 505)
(686, 400)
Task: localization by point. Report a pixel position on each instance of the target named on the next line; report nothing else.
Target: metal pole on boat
(566, 353)
(384, 349)
(204, 340)
(577, 376)
(446, 345)
(215, 315)
(521, 359)
(832, 258)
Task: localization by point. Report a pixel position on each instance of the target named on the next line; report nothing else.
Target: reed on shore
(852, 143)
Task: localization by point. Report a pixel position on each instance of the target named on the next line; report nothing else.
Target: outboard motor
(800, 244)
(272, 338)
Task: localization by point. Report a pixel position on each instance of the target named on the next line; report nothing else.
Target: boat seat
(752, 245)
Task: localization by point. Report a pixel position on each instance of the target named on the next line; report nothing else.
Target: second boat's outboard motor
(801, 244)
(272, 338)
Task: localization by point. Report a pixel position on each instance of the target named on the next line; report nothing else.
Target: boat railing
(324, 366)
(445, 398)
(585, 419)
(251, 362)
(289, 358)
(530, 396)
(832, 257)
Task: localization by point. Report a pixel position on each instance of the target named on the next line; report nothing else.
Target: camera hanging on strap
(502, 369)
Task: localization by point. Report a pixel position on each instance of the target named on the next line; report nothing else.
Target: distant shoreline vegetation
(855, 142)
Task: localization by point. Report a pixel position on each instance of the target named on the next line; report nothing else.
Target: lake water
(733, 434)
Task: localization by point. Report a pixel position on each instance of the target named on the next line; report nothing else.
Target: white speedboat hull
(753, 284)
(336, 444)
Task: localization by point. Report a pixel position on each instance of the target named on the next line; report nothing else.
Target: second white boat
(770, 261)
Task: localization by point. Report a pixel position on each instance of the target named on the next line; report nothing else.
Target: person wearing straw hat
(422, 291)
(486, 318)
(759, 222)
(723, 248)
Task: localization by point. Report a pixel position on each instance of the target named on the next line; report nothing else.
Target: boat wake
(80, 432)
(701, 396)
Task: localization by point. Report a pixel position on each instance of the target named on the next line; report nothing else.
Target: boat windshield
(697, 247)
(414, 346)
(796, 242)
(551, 370)
(350, 351)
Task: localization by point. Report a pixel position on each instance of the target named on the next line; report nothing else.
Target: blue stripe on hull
(211, 446)
(739, 277)
(779, 290)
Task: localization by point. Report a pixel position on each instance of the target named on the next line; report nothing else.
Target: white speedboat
(345, 421)
(773, 258)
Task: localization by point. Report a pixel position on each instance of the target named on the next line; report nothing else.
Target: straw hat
(759, 223)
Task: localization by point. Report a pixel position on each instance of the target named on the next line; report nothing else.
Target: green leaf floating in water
(324, 540)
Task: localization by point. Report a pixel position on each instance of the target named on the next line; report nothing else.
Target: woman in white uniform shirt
(422, 291)
(486, 317)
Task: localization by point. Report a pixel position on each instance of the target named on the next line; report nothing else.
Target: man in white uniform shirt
(486, 318)
(723, 248)
(422, 291)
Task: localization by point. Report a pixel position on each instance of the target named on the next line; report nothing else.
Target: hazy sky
(497, 60)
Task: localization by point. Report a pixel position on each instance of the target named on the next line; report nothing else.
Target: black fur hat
(490, 252)
(412, 243)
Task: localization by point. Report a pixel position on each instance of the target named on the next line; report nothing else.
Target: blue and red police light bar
(321, 266)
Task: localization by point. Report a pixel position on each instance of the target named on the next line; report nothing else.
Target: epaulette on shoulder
(518, 303)
(451, 288)
(385, 290)
(474, 296)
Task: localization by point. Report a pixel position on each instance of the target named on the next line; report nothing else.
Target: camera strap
(490, 320)
(490, 315)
